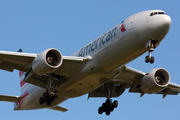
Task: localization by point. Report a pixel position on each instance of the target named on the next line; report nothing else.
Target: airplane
(98, 69)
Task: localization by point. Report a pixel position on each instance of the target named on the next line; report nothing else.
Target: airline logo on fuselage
(98, 42)
(123, 28)
(102, 40)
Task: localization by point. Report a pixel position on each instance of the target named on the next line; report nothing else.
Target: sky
(68, 25)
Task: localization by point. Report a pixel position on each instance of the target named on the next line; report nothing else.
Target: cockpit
(157, 13)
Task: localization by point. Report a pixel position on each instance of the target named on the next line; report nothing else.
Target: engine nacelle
(47, 62)
(155, 80)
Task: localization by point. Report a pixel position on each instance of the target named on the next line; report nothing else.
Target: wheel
(100, 110)
(152, 60)
(104, 107)
(115, 104)
(147, 59)
(49, 102)
(108, 112)
(41, 101)
(45, 97)
(52, 99)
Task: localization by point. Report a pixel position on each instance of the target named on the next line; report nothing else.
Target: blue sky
(69, 25)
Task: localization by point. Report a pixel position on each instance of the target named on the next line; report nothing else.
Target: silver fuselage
(115, 48)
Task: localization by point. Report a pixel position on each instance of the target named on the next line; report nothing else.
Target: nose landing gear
(150, 58)
(151, 45)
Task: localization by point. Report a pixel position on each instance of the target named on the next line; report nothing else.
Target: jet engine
(155, 80)
(47, 62)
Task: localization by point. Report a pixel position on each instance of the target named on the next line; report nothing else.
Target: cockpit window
(161, 13)
(157, 13)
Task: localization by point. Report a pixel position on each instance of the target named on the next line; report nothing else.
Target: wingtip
(20, 50)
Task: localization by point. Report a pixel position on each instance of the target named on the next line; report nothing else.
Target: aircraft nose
(159, 26)
(164, 23)
(160, 23)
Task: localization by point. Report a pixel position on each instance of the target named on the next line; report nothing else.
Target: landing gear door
(132, 23)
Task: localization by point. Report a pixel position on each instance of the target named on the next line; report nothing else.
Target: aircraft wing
(130, 78)
(23, 61)
(14, 60)
(8, 98)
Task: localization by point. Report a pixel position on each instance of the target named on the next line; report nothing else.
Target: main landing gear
(151, 45)
(49, 96)
(108, 106)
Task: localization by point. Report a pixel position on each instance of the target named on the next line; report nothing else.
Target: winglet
(58, 108)
(20, 50)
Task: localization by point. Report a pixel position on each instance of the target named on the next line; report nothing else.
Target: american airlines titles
(106, 37)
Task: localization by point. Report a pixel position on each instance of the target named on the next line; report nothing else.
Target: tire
(45, 97)
(104, 107)
(152, 60)
(108, 112)
(52, 99)
(49, 102)
(147, 59)
(41, 101)
(115, 104)
(100, 110)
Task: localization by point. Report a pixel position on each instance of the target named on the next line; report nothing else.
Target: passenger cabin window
(157, 13)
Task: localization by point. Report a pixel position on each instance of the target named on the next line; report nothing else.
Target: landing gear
(151, 45)
(108, 106)
(149, 59)
(48, 97)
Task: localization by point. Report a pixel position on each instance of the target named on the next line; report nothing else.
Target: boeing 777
(98, 69)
